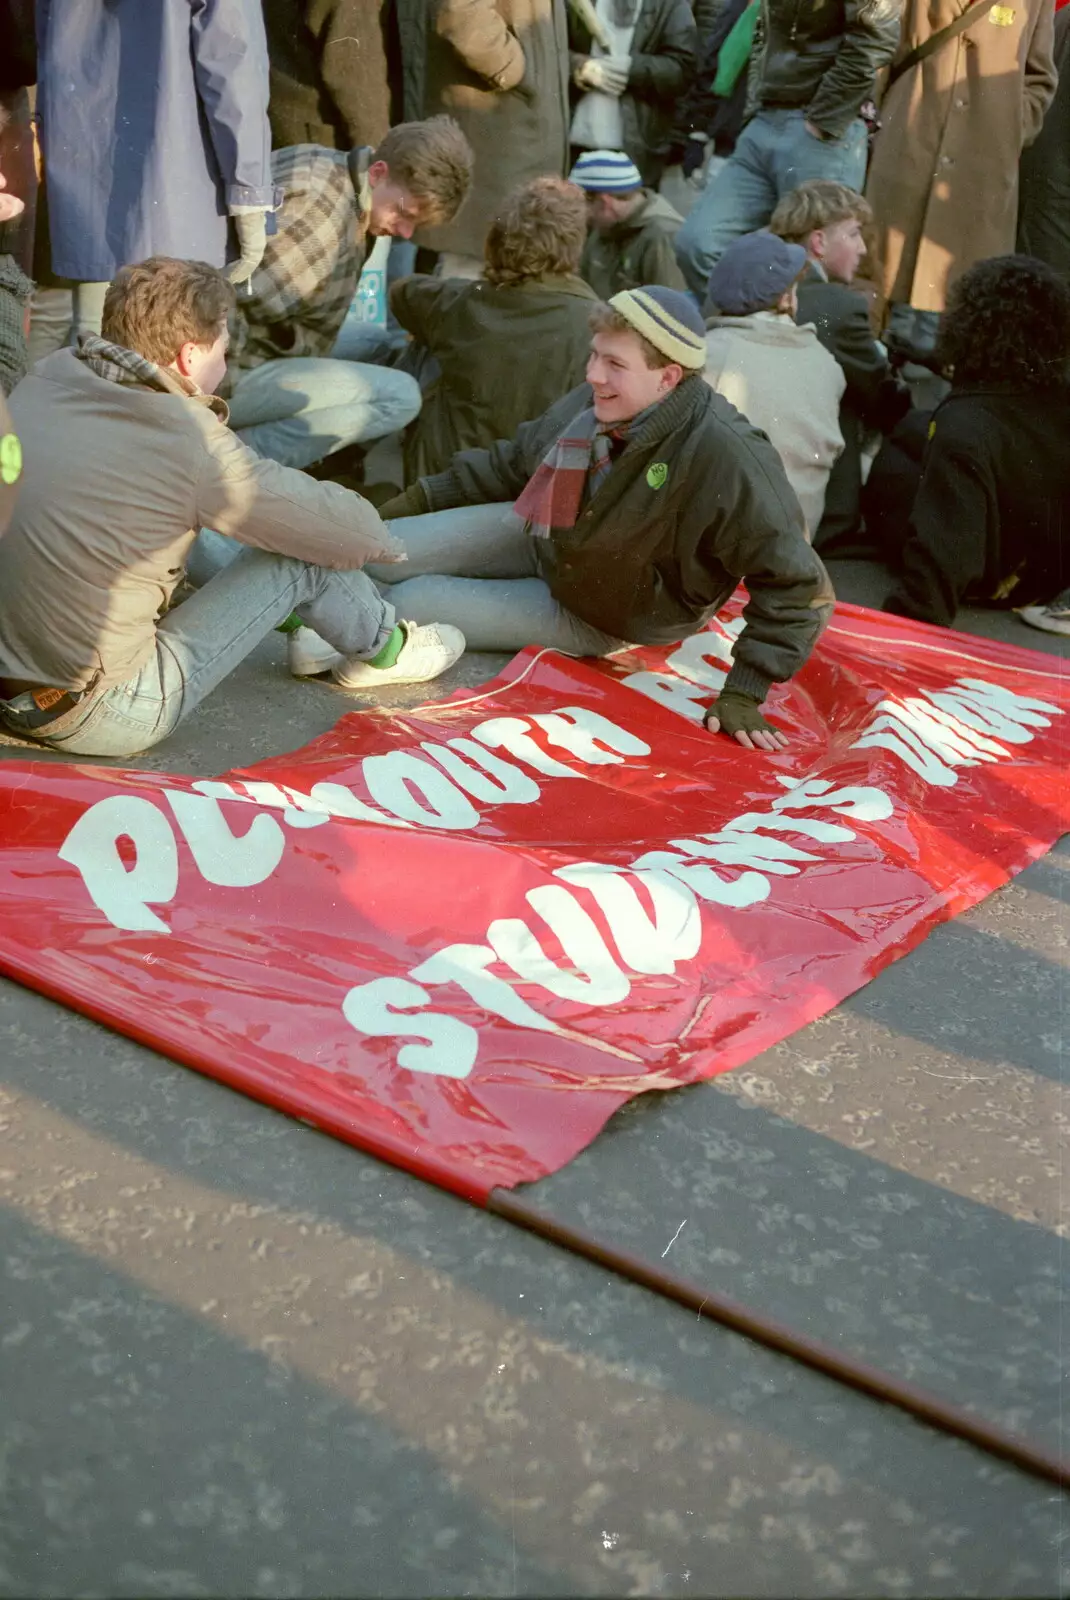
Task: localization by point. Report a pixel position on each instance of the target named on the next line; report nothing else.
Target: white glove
(251, 223)
(606, 74)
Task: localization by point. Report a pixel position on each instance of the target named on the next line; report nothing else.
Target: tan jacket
(787, 384)
(116, 482)
(943, 182)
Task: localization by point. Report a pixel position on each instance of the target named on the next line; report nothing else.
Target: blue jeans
(477, 568)
(773, 156)
(202, 640)
(300, 410)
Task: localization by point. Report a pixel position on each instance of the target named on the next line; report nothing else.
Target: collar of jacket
(634, 221)
(360, 159)
(814, 273)
(765, 327)
(691, 395)
(116, 364)
(562, 282)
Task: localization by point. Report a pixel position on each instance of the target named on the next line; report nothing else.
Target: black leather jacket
(822, 55)
(662, 66)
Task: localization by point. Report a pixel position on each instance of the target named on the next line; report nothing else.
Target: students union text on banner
(461, 937)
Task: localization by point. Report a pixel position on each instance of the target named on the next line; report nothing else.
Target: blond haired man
(830, 221)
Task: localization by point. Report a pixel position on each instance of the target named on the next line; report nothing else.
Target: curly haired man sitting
(509, 344)
(991, 516)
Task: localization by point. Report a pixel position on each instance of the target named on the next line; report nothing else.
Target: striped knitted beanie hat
(606, 172)
(669, 319)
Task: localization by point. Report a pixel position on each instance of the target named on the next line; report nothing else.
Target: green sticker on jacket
(10, 458)
(656, 474)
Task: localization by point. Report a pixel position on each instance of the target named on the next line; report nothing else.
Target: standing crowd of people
(375, 322)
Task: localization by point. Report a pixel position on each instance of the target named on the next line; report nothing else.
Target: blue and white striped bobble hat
(606, 172)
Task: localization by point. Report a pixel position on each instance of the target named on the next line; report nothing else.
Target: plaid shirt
(15, 292)
(303, 287)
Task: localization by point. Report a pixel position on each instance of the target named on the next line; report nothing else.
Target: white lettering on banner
(452, 1046)
(689, 677)
(411, 790)
(466, 966)
(123, 893)
(933, 733)
(593, 978)
(645, 943)
(490, 780)
(934, 737)
(650, 909)
(236, 861)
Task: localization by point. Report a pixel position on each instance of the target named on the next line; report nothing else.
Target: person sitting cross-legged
(628, 511)
(772, 370)
(293, 394)
(630, 243)
(125, 453)
(991, 513)
(829, 221)
(529, 303)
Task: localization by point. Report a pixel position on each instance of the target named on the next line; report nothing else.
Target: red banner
(461, 937)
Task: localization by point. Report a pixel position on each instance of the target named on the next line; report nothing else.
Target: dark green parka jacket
(696, 503)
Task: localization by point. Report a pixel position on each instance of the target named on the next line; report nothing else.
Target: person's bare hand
(11, 207)
(814, 131)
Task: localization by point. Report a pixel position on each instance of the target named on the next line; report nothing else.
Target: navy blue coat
(153, 122)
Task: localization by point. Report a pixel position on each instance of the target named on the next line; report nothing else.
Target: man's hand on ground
(740, 716)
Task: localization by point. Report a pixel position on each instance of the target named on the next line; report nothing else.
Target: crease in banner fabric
(460, 937)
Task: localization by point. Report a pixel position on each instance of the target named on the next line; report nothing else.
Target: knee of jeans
(399, 401)
(418, 599)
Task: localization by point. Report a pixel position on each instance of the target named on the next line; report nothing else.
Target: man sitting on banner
(628, 511)
(293, 394)
(124, 453)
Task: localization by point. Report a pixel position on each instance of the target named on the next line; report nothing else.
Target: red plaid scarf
(578, 461)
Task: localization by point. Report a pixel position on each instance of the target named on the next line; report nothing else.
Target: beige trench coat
(501, 68)
(943, 182)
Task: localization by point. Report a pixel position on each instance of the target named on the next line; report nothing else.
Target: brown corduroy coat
(943, 182)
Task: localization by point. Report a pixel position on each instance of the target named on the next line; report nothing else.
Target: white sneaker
(428, 651)
(1052, 618)
(309, 655)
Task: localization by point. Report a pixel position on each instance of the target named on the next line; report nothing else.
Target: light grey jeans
(298, 411)
(204, 639)
(476, 567)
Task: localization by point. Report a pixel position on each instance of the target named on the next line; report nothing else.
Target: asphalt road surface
(239, 1358)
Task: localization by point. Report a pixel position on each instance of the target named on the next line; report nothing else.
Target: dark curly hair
(1007, 322)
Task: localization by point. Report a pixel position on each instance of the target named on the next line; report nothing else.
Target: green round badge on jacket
(656, 474)
(10, 458)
